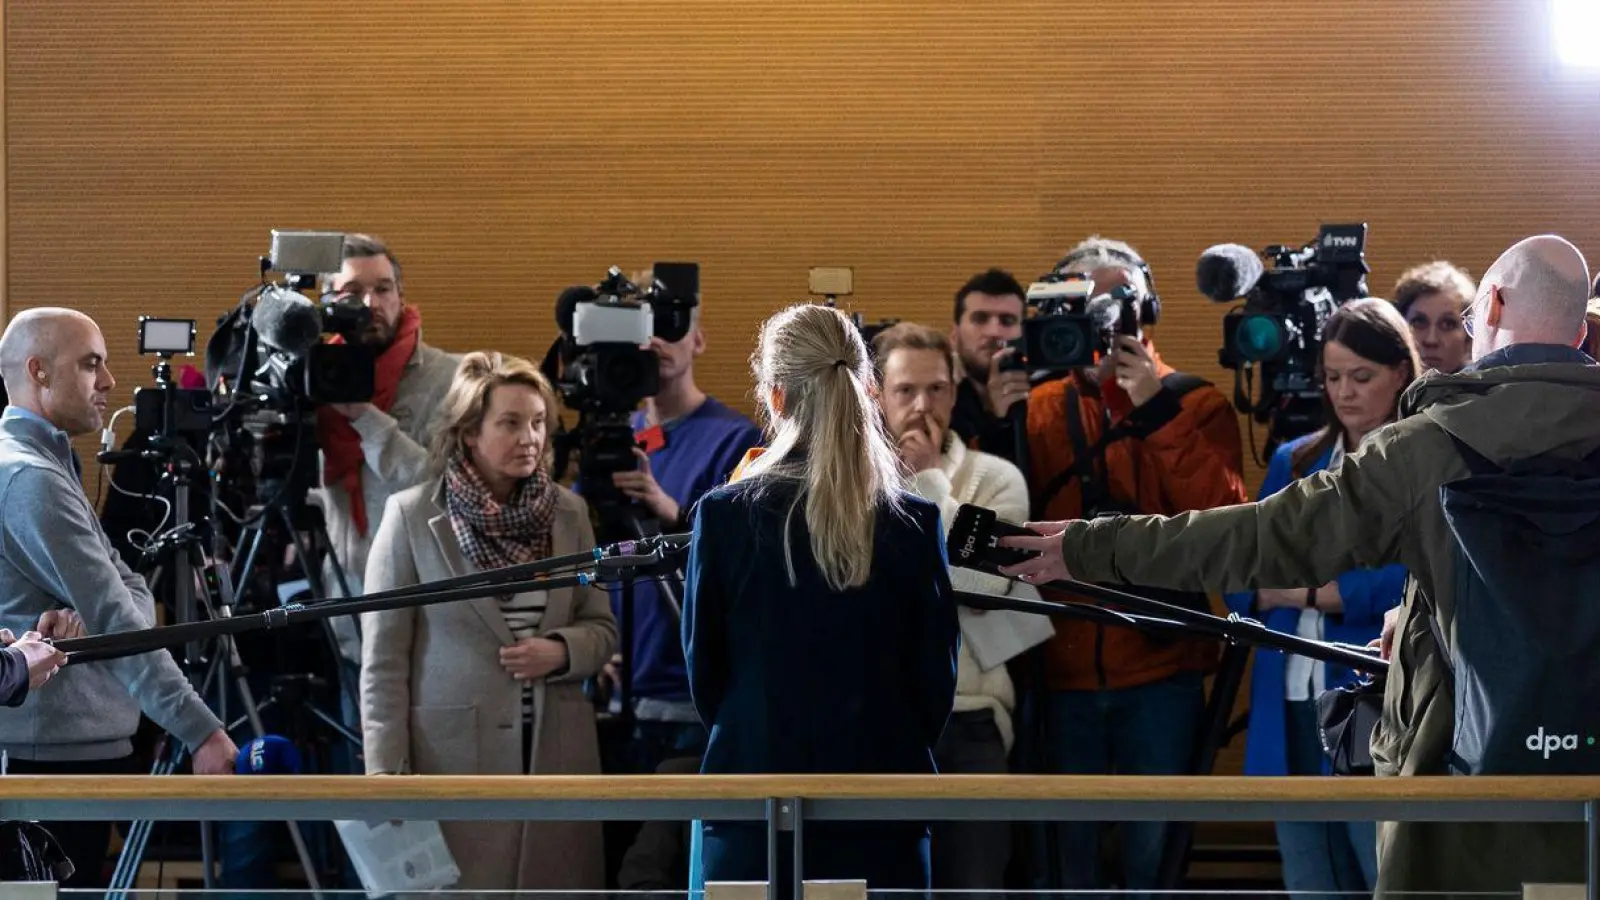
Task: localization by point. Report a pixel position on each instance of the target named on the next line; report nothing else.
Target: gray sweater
(53, 553)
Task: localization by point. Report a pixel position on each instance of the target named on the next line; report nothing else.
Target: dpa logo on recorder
(1539, 742)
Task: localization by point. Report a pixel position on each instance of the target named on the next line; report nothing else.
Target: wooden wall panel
(507, 149)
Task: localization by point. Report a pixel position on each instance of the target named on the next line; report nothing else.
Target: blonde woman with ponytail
(818, 624)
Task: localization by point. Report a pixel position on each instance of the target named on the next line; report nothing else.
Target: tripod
(624, 520)
(307, 531)
(192, 569)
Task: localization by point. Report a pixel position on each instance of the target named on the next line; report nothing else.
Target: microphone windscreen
(286, 320)
(567, 305)
(1104, 311)
(1227, 272)
(269, 755)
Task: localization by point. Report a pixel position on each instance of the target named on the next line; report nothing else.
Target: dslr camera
(603, 366)
(1278, 327)
(1068, 326)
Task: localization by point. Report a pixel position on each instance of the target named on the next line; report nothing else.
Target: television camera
(279, 356)
(1068, 326)
(604, 368)
(1278, 327)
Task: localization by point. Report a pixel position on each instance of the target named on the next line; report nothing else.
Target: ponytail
(829, 436)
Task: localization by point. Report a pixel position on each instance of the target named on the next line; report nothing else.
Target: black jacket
(1005, 437)
(796, 679)
(13, 677)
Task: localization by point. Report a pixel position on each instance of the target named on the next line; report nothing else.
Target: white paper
(393, 859)
(999, 635)
(28, 890)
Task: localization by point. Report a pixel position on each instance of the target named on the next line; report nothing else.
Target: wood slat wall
(507, 149)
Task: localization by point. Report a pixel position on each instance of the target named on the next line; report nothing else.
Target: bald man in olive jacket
(1529, 392)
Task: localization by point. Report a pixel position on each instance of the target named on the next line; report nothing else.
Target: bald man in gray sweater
(53, 556)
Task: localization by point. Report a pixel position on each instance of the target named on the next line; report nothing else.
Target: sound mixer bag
(1525, 643)
(1346, 717)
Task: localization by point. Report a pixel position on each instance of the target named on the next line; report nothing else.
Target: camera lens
(1260, 337)
(1063, 343)
(623, 373)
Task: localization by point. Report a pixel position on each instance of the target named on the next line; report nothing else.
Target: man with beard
(991, 399)
(370, 451)
(917, 369)
(376, 449)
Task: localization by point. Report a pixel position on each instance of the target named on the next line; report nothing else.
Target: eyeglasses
(1469, 316)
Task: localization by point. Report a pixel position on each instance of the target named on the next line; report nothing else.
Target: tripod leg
(256, 538)
(131, 858)
(241, 682)
(221, 607)
(1213, 734)
(338, 727)
(310, 550)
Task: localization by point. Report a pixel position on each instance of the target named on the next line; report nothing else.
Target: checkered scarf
(493, 535)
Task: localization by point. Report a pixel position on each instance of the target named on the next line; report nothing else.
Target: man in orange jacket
(1130, 435)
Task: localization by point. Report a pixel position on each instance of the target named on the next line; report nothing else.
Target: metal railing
(787, 802)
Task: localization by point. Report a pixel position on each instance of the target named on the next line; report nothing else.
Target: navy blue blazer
(795, 679)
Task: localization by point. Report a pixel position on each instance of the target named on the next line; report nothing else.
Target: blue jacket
(805, 679)
(1367, 595)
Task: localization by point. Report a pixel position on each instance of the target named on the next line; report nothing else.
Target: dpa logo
(969, 549)
(1539, 742)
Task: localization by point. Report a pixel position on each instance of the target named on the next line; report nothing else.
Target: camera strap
(1089, 461)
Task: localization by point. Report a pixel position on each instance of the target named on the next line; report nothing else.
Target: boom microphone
(286, 320)
(1227, 272)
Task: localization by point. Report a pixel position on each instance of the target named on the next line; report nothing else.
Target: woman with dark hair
(1368, 358)
(1432, 297)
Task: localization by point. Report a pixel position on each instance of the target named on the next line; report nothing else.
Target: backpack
(1526, 650)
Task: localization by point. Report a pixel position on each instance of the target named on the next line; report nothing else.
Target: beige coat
(435, 699)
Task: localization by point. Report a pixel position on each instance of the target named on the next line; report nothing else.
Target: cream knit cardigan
(982, 479)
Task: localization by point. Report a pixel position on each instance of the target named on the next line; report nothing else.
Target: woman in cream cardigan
(491, 686)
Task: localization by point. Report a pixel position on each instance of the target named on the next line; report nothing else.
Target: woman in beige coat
(490, 686)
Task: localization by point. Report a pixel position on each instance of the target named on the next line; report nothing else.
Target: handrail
(786, 803)
(1213, 788)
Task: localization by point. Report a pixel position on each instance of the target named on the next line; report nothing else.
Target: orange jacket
(1183, 454)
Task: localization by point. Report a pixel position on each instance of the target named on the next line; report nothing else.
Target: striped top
(524, 613)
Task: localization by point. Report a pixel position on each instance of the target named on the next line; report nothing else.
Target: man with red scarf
(372, 450)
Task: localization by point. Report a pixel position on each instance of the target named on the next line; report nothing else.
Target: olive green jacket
(1382, 507)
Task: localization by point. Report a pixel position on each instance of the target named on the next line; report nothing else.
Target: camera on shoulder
(1068, 326)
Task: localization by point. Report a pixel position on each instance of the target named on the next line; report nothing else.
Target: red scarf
(341, 444)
